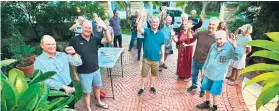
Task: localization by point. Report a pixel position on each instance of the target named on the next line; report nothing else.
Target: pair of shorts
(213, 86)
(147, 65)
(239, 64)
(89, 80)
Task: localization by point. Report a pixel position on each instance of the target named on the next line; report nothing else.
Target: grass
(126, 31)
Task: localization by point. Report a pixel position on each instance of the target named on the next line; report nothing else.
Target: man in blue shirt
(153, 49)
(168, 32)
(50, 60)
(216, 67)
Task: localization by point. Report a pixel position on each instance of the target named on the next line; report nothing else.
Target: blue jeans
(134, 35)
(139, 45)
(195, 72)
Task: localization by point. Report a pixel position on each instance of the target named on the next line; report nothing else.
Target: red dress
(184, 60)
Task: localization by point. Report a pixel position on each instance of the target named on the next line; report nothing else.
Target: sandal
(187, 80)
(105, 106)
(233, 83)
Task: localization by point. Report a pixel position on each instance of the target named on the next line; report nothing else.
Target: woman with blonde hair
(223, 26)
(241, 40)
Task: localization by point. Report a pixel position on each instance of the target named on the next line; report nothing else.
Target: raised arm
(107, 35)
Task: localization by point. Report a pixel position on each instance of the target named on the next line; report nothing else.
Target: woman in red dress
(185, 50)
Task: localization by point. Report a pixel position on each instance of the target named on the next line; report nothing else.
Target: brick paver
(171, 93)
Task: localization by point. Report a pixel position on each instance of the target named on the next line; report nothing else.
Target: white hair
(220, 34)
(184, 15)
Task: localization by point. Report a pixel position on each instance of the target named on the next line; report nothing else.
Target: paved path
(171, 93)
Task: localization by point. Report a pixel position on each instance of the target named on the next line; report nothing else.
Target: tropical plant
(270, 78)
(18, 95)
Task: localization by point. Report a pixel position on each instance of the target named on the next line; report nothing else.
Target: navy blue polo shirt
(152, 44)
(88, 52)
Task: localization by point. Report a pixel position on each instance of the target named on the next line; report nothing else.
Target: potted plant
(270, 76)
(24, 55)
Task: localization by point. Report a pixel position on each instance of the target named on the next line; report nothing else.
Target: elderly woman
(241, 40)
(185, 49)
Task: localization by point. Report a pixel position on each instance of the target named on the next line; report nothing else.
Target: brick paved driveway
(171, 93)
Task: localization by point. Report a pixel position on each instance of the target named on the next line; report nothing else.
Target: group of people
(215, 51)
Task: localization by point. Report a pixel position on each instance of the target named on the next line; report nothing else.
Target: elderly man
(115, 24)
(89, 72)
(152, 47)
(168, 32)
(204, 40)
(216, 67)
(76, 28)
(51, 60)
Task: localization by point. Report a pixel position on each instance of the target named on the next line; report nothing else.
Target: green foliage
(125, 23)
(18, 95)
(7, 62)
(126, 31)
(270, 79)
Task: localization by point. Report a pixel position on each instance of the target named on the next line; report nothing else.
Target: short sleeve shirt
(204, 42)
(88, 52)
(242, 41)
(152, 44)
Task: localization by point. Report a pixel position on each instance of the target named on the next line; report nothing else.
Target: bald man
(153, 47)
(51, 60)
(216, 67)
(89, 73)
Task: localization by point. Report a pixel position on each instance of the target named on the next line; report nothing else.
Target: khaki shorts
(146, 65)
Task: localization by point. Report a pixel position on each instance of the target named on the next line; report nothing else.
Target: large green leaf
(57, 102)
(270, 85)
(57, 93)
(66, 102)
(37, 73)
(3, 76)
(42, 77)
(43, 95)
(7, 62)
(27, 98)
(267, 54)
(265, 76)
(3, 102)
(273, 36)
(260, 67)
(9, 95)
(17, 78)
(266, 96)
(273, 46)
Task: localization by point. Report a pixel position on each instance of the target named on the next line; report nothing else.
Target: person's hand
(68, 90)
(101, 23)
(76, 78)
(202, 16)
(233, 40)
(77, 22)
(164, 11)
(172, 33)
(189, 24)
(70, 50)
